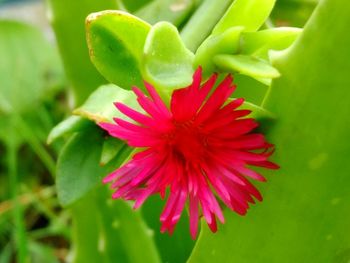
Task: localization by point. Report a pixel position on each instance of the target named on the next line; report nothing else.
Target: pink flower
(201, 149)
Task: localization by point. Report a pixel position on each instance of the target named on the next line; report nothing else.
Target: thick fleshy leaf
(250, 89)
(251, 14)
(78, 166)
(115, 41)
(113, 147)
(246, 65)
(225, 43)
(305, 216)
(125, 227)
(67, 126)
(106, 230)
(99, 107)
(78, 169)
(259, 43)
(173, 248)
(167, 62)
(85, 230)
(28, 66)
(173, 11)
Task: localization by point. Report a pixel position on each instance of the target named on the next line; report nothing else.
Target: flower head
(201, 149)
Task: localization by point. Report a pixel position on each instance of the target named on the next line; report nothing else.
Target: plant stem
(46, 117)
(19, 230)
(85, 230)
(36, 145)
(68, 21)
(202, 22)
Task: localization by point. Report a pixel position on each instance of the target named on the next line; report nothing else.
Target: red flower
(200, 145)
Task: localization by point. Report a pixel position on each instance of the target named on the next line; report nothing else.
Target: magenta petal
(202, 149)
(194, 214)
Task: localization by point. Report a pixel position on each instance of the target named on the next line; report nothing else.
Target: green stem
(17, 213)
(85, 230)
(202, 22)
(68, 21)
(36, 145)
(46, 118)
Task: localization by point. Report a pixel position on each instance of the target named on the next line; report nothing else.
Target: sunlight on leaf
(167, 62)
(67, 126)
(99, 107)
(251, 14)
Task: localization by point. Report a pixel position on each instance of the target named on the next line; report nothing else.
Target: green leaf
(251, 14)
(123, 226)
(173, 11)
(86, 230)
(113, 147)
(225, 43)
(305, 216)
(78, 171)
(167, 62)
(99, 107)
(68, 21)
(259, 43)
(116, 40)
(106, 230)
(250, 89)
(246, 65)
(67, 126)
(28, 65)
(172, 248)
